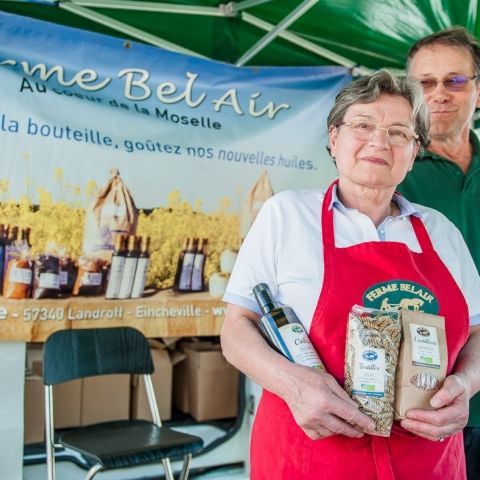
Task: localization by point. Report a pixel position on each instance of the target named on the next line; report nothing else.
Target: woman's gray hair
(369, 88)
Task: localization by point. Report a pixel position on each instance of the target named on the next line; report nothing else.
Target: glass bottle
(142, 268)
(117, 267)
(284, 331)
(131, 260)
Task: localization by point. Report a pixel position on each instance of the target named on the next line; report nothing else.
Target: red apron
(279, 448)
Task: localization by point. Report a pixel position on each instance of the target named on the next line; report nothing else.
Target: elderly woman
(321, 253)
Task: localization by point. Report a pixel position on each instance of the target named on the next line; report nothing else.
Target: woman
(321, 254)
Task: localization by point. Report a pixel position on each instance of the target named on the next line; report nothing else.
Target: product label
(299, 346)
(197, 283)
(128, 277)
(49, 280)
(140, 276)
(115, 280)
(425, 348)
(92, 279)
(63, 277)
(20, 275)
(369, 372)
(185, 282)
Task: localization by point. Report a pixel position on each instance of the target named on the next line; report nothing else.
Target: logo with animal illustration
(400, 294)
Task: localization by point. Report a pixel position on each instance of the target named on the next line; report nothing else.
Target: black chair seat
(127, 443)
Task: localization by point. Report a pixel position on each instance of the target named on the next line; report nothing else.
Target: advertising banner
(102, 136)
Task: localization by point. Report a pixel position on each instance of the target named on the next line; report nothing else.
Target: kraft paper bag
(423, 361)
(112, 212)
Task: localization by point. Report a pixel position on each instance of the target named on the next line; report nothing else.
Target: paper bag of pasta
(423, 360)
(260, 192)
(371, 356)
(112, 212)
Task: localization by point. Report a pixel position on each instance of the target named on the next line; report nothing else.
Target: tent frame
(239, 9)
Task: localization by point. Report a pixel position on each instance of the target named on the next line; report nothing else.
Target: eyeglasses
(397, 135)
(457, 83)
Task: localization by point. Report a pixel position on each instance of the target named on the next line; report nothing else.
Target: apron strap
(327, 218)
(421, 233)
(382, 458)
(329, 236)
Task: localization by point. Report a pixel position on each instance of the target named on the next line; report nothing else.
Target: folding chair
(73, 354)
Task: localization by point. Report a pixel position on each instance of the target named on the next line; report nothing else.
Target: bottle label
(20, 275)
(63, 277)
(91, 279)
(185, 282)
(128, 277)
(369, 372)
(140, 277)
(49, 280)
(425, 347)
(197, 280)
(299, 345)
(115, 280)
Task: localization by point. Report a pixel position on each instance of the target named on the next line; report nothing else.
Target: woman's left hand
(450, 414)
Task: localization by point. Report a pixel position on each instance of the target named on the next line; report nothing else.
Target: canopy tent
(364, 33)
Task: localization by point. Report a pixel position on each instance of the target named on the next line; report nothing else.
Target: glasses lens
(399, 136)
(363, 130)
(457, 83)
(428, 84)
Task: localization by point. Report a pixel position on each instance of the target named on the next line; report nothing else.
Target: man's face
(451, 111)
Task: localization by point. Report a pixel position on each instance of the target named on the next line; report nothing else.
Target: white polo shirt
(284, 249)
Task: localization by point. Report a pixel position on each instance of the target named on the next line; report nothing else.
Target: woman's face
(374, 163)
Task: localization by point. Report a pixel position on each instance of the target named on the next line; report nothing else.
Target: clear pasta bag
(371, 358)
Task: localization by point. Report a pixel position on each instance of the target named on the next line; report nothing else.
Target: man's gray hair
(367, 89)
(452, 37)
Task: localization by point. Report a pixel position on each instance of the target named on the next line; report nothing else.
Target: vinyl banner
(191, 147)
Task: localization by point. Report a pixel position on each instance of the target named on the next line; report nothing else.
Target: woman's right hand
(322, 408)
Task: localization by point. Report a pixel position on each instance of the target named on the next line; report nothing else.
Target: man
(447, 176)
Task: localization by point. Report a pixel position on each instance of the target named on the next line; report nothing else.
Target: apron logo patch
(397, 294)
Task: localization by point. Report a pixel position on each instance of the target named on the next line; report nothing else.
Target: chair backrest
(72, 354)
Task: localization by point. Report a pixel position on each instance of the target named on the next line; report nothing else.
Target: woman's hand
(450, 414)
(322, 408)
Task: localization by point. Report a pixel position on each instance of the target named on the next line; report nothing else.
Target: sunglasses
(456, 83)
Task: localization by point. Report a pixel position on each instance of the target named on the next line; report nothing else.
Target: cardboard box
(66, 400)
(164, 357)
(205, 384)
(105, 398)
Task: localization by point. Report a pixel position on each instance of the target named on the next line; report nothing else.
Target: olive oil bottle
(283, 330)
(142, 268)
(198, 283)
(185, 281)
(117, 267)
(131, 259)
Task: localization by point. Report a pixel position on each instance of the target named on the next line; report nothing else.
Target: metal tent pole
(126, 29)
(275, 31)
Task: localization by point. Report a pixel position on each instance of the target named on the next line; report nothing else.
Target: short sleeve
(257, 259)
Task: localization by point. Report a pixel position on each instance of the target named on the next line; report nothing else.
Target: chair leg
(93, 471)
(186, 466)
(168, 469)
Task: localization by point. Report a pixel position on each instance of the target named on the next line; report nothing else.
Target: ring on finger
(441, 438)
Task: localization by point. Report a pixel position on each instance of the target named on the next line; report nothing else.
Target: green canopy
(368, 33)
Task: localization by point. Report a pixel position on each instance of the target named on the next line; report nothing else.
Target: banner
(197, 145)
